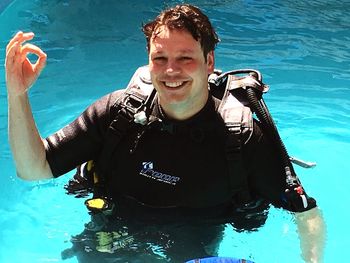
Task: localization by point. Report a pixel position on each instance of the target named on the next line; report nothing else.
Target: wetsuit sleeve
(266, 174)
(82, 139)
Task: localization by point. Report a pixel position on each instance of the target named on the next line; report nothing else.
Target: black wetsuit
(176, 170)
(178, 165)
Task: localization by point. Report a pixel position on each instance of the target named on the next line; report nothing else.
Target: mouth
(174, 84)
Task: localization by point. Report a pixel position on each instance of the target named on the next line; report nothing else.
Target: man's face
(179, 70)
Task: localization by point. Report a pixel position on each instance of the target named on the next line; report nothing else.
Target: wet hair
(184, 17)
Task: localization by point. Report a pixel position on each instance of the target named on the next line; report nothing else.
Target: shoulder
(108, 100)
(98, 114)
(102, 106)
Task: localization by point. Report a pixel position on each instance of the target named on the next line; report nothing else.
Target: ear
(210, 62)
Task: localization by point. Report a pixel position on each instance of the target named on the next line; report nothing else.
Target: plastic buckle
(100, 204)
(134, 103)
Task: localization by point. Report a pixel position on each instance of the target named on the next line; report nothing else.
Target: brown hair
(184, 17)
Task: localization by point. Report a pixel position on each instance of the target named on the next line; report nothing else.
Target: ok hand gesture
(20, 72)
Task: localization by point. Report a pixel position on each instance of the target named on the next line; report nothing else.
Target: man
(177, 166)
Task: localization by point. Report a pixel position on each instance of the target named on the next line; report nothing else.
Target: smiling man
(176, 153)
(179, 71)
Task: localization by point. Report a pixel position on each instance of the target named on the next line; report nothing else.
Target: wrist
(15, 94)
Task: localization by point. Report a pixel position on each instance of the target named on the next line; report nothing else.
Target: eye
(159, 59)
(185, 58)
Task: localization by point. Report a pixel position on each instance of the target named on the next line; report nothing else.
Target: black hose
(261, 111)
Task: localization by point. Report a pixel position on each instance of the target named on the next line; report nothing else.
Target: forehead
(165, 38)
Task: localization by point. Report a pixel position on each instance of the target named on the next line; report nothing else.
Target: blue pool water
(94, 46)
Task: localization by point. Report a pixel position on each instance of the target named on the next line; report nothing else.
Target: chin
(172, 95)
(173, 102)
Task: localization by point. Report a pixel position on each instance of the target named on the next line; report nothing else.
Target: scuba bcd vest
(240, 94)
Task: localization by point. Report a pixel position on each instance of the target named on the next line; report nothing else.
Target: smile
(175, 84)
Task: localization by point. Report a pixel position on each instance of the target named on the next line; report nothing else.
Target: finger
(30, 48)
(40, 64)
(11, 54)
(20, 37)
(13, 40)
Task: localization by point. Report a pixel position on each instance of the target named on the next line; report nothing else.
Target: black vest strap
(122, 119)
(237, 172)
(237, 123)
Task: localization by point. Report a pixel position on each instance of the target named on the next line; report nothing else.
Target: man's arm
(26, 144)
(312, 232)
(269, 184)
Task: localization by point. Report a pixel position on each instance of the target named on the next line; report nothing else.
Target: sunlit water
(93, 47)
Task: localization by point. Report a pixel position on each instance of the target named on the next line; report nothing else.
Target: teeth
(173, 84)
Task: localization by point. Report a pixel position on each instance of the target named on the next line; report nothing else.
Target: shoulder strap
(237, 115)
(132, 107)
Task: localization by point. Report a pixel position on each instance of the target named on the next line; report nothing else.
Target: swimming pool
(302, 49)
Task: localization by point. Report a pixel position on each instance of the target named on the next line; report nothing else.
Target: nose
(173, 68)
